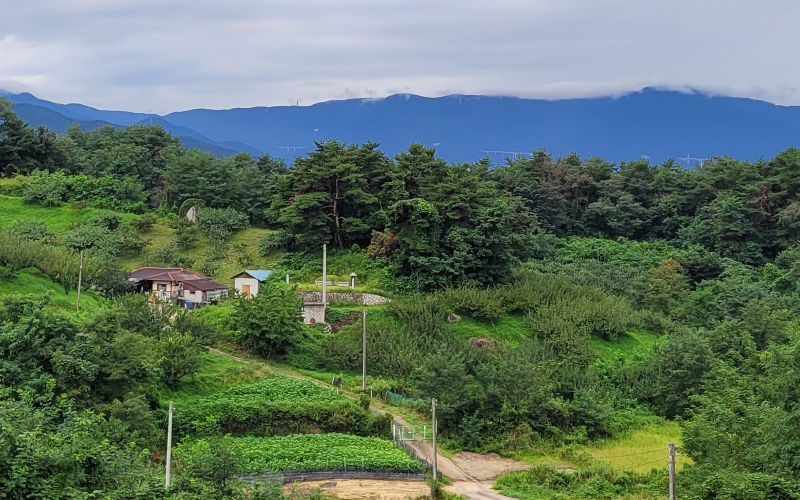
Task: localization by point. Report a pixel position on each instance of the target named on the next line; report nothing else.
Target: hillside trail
(476, 485)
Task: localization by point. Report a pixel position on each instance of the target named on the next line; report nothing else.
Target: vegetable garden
(277, 406)
(303, 451)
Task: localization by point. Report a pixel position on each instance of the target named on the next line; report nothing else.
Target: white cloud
(178, 54)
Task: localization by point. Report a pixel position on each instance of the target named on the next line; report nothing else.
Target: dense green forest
(561, 262)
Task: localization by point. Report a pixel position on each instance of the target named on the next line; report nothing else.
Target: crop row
(276, 406)
(304, 451)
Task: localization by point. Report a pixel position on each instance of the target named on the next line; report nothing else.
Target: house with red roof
(178, 286)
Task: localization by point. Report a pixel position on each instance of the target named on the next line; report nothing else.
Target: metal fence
(412, 433)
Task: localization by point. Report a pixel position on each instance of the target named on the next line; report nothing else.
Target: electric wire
(633, 454)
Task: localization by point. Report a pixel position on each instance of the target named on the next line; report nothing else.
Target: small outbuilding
(248, 281)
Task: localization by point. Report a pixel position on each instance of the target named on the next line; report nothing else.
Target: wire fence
(400, 400)
(303, 475)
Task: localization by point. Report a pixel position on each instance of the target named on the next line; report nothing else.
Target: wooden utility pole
(169, 444)
(433, 430)
(364, 350)
(672, 450)
(80, 277)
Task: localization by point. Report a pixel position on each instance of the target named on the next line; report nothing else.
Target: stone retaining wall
(364, 299)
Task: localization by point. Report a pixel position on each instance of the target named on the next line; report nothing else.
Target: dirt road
(472, 477)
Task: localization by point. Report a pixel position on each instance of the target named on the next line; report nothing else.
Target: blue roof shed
(259, 274)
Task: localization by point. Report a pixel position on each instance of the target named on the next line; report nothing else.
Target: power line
(648, 463)
(633, 454)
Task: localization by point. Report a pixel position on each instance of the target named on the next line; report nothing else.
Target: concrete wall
(364, 299)
(238, 282)
(291, 476)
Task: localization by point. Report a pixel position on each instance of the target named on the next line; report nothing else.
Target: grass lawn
(642, 449)
(58, 218)
(626, 345)
(216, 374)
(32, 282)
(508, 329)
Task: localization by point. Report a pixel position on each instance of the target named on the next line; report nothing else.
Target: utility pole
(433, 430)
(80, 277)
(169, 444)
(672, 450)
(364, 350)
(324, 274)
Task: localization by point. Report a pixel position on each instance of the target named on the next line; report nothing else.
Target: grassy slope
(509, 329)
(627, 345)
(161, 234)
(642, 449)
(32, 282)
(216, 374)
(59, 218)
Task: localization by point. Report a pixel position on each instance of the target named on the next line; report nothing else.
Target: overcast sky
(168, 55)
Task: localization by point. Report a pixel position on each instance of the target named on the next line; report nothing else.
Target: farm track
(463, 483)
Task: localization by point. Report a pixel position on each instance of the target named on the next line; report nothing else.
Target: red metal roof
(176, 275)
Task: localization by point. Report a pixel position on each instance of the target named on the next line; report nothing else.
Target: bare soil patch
(365, 489)
(487, 467)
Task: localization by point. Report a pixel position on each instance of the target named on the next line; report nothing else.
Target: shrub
(272, 319)
(179, 355)
(593, 483)
(45, 188)
(32, 230)
(96, 239)
(108, 220)
(278, 240)
(220, 223)
(144, 223)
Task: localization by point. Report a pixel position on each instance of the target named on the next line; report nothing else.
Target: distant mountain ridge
(59, 116)
(653, 123)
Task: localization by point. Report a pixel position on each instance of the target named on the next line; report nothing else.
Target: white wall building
(248, 281)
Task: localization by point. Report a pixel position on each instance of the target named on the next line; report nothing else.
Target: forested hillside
(552, 306)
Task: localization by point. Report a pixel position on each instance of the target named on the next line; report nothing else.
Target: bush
(45, 188)
(98, 240)
(108, 220)
(144, 223)
(272, 319)
(220, 223)
(278, 240)
(599, 482)
(179, 355)
(32, 230)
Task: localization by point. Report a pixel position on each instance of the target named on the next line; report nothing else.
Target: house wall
(238, 282)
(193, 295)
(168, 283)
